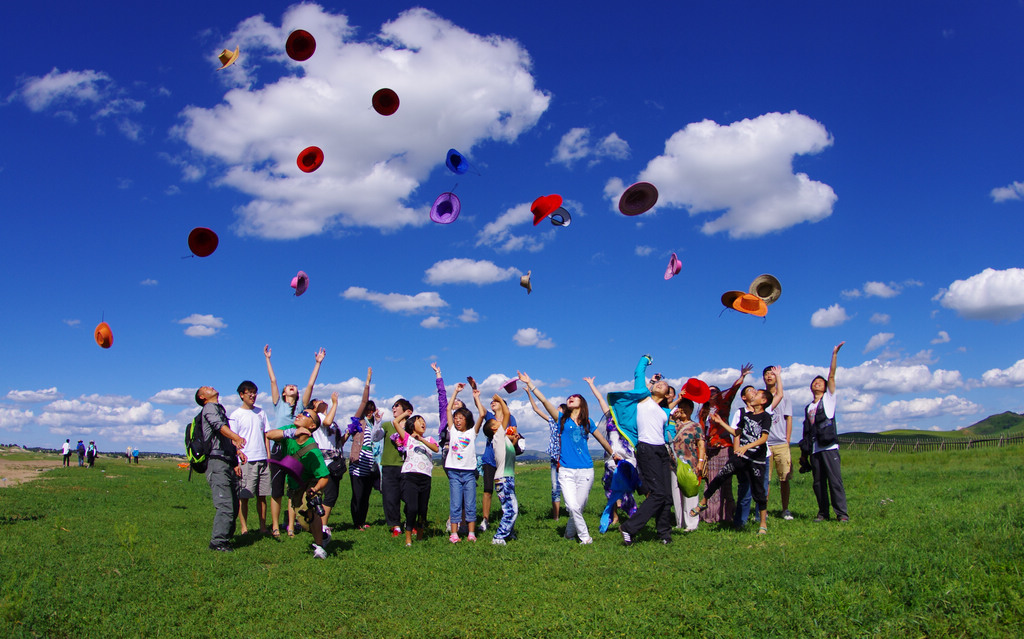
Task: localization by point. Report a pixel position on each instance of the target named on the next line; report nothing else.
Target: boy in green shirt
(299, 445)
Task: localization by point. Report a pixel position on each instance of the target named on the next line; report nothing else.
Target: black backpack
(197, 447)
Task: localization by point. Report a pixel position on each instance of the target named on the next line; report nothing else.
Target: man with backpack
(222, 470)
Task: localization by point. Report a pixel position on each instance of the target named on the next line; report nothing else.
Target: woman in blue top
(576, 470)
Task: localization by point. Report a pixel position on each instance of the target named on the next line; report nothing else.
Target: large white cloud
(929, 407)
(397, 302)
(456, 89)
(989, 295)
(1012, 376)
(461, 270)
(745, 169)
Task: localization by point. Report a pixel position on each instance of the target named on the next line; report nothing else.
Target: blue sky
(868, 155)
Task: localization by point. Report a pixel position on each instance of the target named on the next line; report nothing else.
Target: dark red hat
(638, 198)
(696, 391)
(385, 102)
(202, 241)
(544, 206)
(310, 159)
(300, 45)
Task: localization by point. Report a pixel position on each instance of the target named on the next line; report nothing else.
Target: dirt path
(14, 472)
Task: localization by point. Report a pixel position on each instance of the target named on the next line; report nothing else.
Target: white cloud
(989, 295)
(575, 145)
(644, 251)
(72, 322)
(929, 407)
(827, 317)
(130, 421)
(745, 169)
(397, 302)
(469, 316)
(1012, 376)
(1014, 191)
(457, 89)
(465, 271)
(28, 397)
(148, 282)
(13, 419)
(62, 92)
(532, 337)
(941, 338)
(498, 234)
(880, 318)
(433, 321)
(175, 396)
(880, 289)
(202, 325)
(877, 341)
(851, 293)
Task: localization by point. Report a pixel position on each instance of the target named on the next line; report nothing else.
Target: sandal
(291, 532)
(763, 530)
(698, 510)
(276, 533)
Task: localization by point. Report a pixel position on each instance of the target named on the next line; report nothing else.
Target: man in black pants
(391, 470)
(655, 466)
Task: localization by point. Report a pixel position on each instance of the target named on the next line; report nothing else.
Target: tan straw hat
(227, 58)
(767, 287)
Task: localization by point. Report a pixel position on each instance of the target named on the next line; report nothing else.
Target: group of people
(86, 455)
(294, 448)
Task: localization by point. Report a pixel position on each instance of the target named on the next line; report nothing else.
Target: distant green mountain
(1008, 423)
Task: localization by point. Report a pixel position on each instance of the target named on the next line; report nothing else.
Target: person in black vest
(820, 443)
(223, 470)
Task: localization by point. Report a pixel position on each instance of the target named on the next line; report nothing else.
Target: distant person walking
(128, 455)
(66, 452)
(135, 455)
(81, 453)
(90, 454)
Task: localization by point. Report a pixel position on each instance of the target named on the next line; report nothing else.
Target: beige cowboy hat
(524, 281)
(227, 58)
(767, 287)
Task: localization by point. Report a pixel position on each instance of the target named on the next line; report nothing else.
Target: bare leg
(784, 491)
(486, 507)
(261, 511)
(556, 506)
(275, 514)
(327, 515)
(243, 515)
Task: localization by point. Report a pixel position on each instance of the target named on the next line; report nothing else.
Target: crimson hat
(310, 159)
(696, 391)
(300, 45)
(202, 241)
(544, 206)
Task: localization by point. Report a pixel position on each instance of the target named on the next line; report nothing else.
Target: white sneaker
(483, 525)
(588, 540)
(319, 552)
(498, 542)
(788, 516)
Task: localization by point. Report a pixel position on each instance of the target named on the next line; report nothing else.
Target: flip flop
(698, 510)
(275, 533)
(763, 530)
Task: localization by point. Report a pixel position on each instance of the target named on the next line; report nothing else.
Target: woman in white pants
(576, 467)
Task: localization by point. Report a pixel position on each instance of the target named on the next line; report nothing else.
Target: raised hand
(319, 355)
(835, 350)
(266, 351)
(746, 369)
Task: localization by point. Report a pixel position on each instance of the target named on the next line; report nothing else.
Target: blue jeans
(509, 506)
(462, 491)
(742, 513)
(556, 490)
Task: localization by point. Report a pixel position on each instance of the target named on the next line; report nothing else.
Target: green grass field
(934, 548)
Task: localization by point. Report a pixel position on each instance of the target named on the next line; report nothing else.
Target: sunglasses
(306, 414)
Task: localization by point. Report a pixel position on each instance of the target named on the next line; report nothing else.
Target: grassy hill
(1008, 423)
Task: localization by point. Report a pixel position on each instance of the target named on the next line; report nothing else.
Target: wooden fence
(908, 445)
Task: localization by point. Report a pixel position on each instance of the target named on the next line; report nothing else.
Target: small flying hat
(385, 102)
(696, 391)
(544, 206)
(202, 241)
(456, 162)
(510, 386)
(300, 283)
(749, 304)
(310, 159)
(561, 217)
(767, 287)
(103, 335)
(524, 281)
(227, 58)
(638, 198)
(511, 430)
(446, 208)
(674, 266)
(300, 45)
